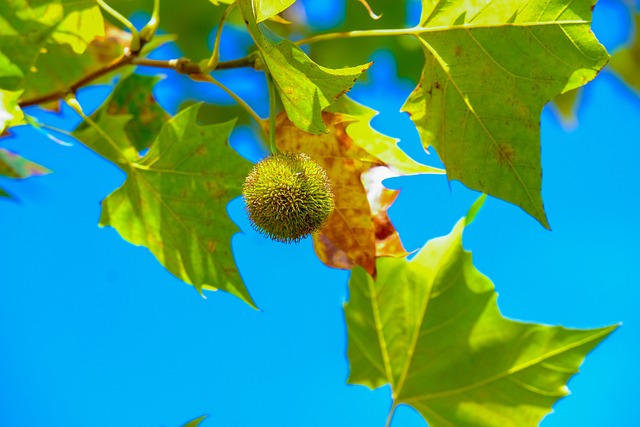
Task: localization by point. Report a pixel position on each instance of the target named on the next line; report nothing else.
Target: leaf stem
(390, 416)
(75, 105)
(272, 112)
(207, 78)
(215, 56)
(358, 33)
(135, 36)
(181, 65)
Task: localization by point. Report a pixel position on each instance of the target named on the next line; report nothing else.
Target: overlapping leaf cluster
(429, 327)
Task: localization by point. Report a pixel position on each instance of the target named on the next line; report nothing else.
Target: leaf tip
(474, 209)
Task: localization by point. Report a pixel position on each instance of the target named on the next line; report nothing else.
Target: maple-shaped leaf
(490, 67)
(626, 61)
(431, 329)
(17, 167)
(174, 198)
(358, 230)
(305, 87)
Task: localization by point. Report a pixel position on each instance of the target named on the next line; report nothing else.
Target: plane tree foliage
(427, 324)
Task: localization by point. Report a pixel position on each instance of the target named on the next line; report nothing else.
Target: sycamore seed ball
(288, 196)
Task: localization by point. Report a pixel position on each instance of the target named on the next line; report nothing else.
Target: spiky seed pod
(288, 196)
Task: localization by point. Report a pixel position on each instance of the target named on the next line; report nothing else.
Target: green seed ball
(288, 196)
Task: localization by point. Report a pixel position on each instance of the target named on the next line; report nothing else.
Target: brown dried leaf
(349, 237)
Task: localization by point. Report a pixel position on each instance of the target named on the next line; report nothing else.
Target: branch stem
(186, 66)
(181, 65)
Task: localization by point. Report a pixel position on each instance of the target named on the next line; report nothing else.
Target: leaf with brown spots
(358, 230)
(490, 67)
(174, 198)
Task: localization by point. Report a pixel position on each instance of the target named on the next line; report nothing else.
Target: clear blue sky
(94, 332)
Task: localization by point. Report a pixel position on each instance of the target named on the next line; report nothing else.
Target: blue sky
(95, 332)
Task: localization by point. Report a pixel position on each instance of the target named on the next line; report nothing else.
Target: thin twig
(184, 66)
(232, 94)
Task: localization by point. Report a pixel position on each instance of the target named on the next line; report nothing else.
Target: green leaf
(41, 45)
(431, 328)
(196, 422)
(132, 97)
(305, 87)
(489, 69)
(381, 146)
(265, 9)
(174, 199)
(10, 112)
(82, 23)
(28, 31)
(14, 166)
(626, 62)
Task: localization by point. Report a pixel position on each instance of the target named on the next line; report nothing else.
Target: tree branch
(182, 65)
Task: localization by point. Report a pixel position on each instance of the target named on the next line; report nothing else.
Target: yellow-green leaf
(490, 67)
(305, 87)
(174, 198)
(431, 328)
(265, 9)
(82, 23)
(383, 147)
(28, 30)
(48, 46)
